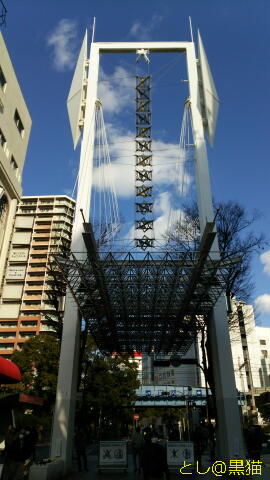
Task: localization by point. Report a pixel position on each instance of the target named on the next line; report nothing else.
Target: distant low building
(250, 346)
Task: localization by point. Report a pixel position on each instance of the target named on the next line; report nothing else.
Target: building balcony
(46, 328)
(48, 307)
(35, 279)
(36, 269)
(39, 242)
(36, 251)
(41, 234)
(37, 288)
(32, 297)
(42, 221)
(7, 341)
(7, 335)
(28, 328)
(34, 261)
(8, 329)
(42, 227)
(8, 324)
(6, 349)
(27, 308)
(28, 318)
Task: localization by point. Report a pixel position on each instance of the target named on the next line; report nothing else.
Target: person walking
(80, 447)
(154, 461)
(255, 438)
(137, 445)
(200, 438)
(18, 456)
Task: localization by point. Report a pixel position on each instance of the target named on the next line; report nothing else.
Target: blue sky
(43, 40)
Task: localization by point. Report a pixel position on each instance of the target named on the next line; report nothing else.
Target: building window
(2, 139)
(19, 124)
(264, 353)
(13, 164)
(7, 334)
(6, 346)
(3, 81)
(27, 334)
(262, 342)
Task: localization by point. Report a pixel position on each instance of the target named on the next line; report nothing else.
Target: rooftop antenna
(191, 30)
(93, 29)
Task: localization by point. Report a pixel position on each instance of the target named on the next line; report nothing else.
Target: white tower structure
(204, 106)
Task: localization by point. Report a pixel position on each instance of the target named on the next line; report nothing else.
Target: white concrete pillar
(63, 426)
(229, 434)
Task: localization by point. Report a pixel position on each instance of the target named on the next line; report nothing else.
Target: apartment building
(30, 296)
(251, 352)
(15, 126)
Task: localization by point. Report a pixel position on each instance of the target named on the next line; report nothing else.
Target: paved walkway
(93, 474)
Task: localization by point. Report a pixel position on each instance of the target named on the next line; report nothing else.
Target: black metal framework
(143, 164)
(145, 302)
(3, 13)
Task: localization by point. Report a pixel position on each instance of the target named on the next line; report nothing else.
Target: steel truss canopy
(145, 302)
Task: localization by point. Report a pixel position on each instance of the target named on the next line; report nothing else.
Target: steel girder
(146, 302)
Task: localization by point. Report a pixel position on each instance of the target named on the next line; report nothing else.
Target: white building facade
(15, 127)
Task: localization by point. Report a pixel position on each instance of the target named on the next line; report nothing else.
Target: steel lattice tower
(143, 164)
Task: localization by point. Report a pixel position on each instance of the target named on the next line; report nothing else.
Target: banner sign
(31, 399)
(113, 454)
(177, 452)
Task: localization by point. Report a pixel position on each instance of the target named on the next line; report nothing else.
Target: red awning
(9, 372)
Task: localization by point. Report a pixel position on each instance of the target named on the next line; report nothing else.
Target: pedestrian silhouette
(154, 461)
(137, 446)
(80, 447)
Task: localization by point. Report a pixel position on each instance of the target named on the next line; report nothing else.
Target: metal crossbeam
(144, 175)
(3, 13)
(144, 207)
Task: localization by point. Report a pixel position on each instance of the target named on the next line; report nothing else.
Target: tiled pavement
(93, 474)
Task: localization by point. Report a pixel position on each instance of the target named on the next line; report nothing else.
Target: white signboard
(19, 255)
(177, 452)
(113, 454)
(15, 273)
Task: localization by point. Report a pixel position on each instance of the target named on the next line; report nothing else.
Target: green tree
(38, 361)
(263, 405)
(108, 387)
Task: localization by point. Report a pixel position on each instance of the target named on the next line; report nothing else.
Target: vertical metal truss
(143, 165)
(3, 13)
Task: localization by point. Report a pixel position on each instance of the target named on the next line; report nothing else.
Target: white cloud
(262, 303)
(121, 172)
(116, 91)
(265, 259)
(64, 46)
(162, 210)
(164, 207)
(142, 31)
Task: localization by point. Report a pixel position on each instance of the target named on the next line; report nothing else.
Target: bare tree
(236, 238)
